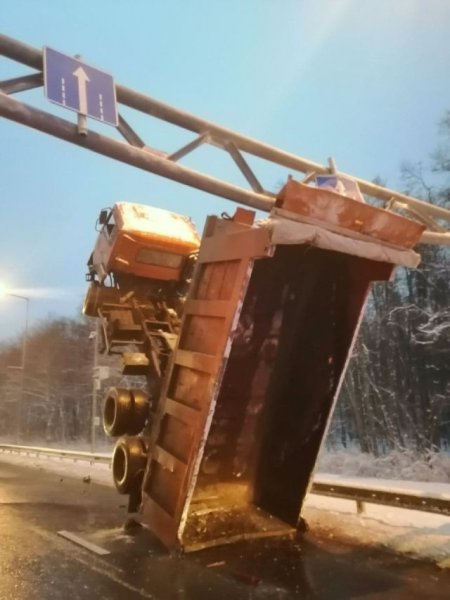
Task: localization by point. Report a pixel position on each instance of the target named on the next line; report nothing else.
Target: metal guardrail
(439, 504)
(362, 495)
(57, 452)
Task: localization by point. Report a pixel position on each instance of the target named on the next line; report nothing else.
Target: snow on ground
(415, 533)
(398, 465)
(418, 534)
(419, 488)
(98, 472)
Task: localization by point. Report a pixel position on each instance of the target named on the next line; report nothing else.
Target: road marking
(107, 570)
(83, 79)
(100, 101)
(82, 542)
(63, 90)
(110, 573)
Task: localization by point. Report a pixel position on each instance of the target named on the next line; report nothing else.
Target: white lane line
(110, 572)
(100, 101)
(84, 543)
(63, 90)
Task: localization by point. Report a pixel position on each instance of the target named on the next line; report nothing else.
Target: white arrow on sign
(82, 77)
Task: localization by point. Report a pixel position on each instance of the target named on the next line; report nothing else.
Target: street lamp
(21, 399)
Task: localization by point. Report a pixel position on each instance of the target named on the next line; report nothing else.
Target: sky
(364, 81)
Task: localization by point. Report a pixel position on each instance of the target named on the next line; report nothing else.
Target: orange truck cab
(143, 241)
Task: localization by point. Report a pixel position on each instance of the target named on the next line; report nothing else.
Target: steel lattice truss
(135, 152)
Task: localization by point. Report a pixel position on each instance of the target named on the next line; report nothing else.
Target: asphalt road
(36, 563)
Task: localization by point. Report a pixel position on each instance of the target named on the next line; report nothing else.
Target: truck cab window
(110, 225)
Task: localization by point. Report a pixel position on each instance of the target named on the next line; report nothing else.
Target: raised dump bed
(268, 327)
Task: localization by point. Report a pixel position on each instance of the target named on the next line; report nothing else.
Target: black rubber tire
(128, 463)
(118, 412)
(141, 404)
(125, 411)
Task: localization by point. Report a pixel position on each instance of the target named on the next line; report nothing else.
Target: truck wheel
(117, 410)
(128, 464)
(141, 405)
(125, 411)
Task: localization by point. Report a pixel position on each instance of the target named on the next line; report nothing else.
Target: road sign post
(73, 84)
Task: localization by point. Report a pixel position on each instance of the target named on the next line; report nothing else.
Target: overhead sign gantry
(166, 164)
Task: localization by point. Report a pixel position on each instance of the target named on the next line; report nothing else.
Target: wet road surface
(36, 563)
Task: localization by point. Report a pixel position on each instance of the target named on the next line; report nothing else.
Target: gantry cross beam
(136, 153)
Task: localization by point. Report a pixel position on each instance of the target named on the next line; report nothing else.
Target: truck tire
(128, 464)
(125, 411)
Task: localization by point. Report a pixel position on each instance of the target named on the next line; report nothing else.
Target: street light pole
(21, 399)
(95, 382)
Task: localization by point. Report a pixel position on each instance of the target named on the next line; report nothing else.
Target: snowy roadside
(401, 465)
(419, 488)
(418, 534)
(415, 533)
(97, 472)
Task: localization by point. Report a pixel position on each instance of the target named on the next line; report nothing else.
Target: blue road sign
(75, 85)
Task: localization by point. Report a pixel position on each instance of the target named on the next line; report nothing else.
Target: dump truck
(243, 338)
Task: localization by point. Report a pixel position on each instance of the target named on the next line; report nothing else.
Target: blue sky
(365, 81)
